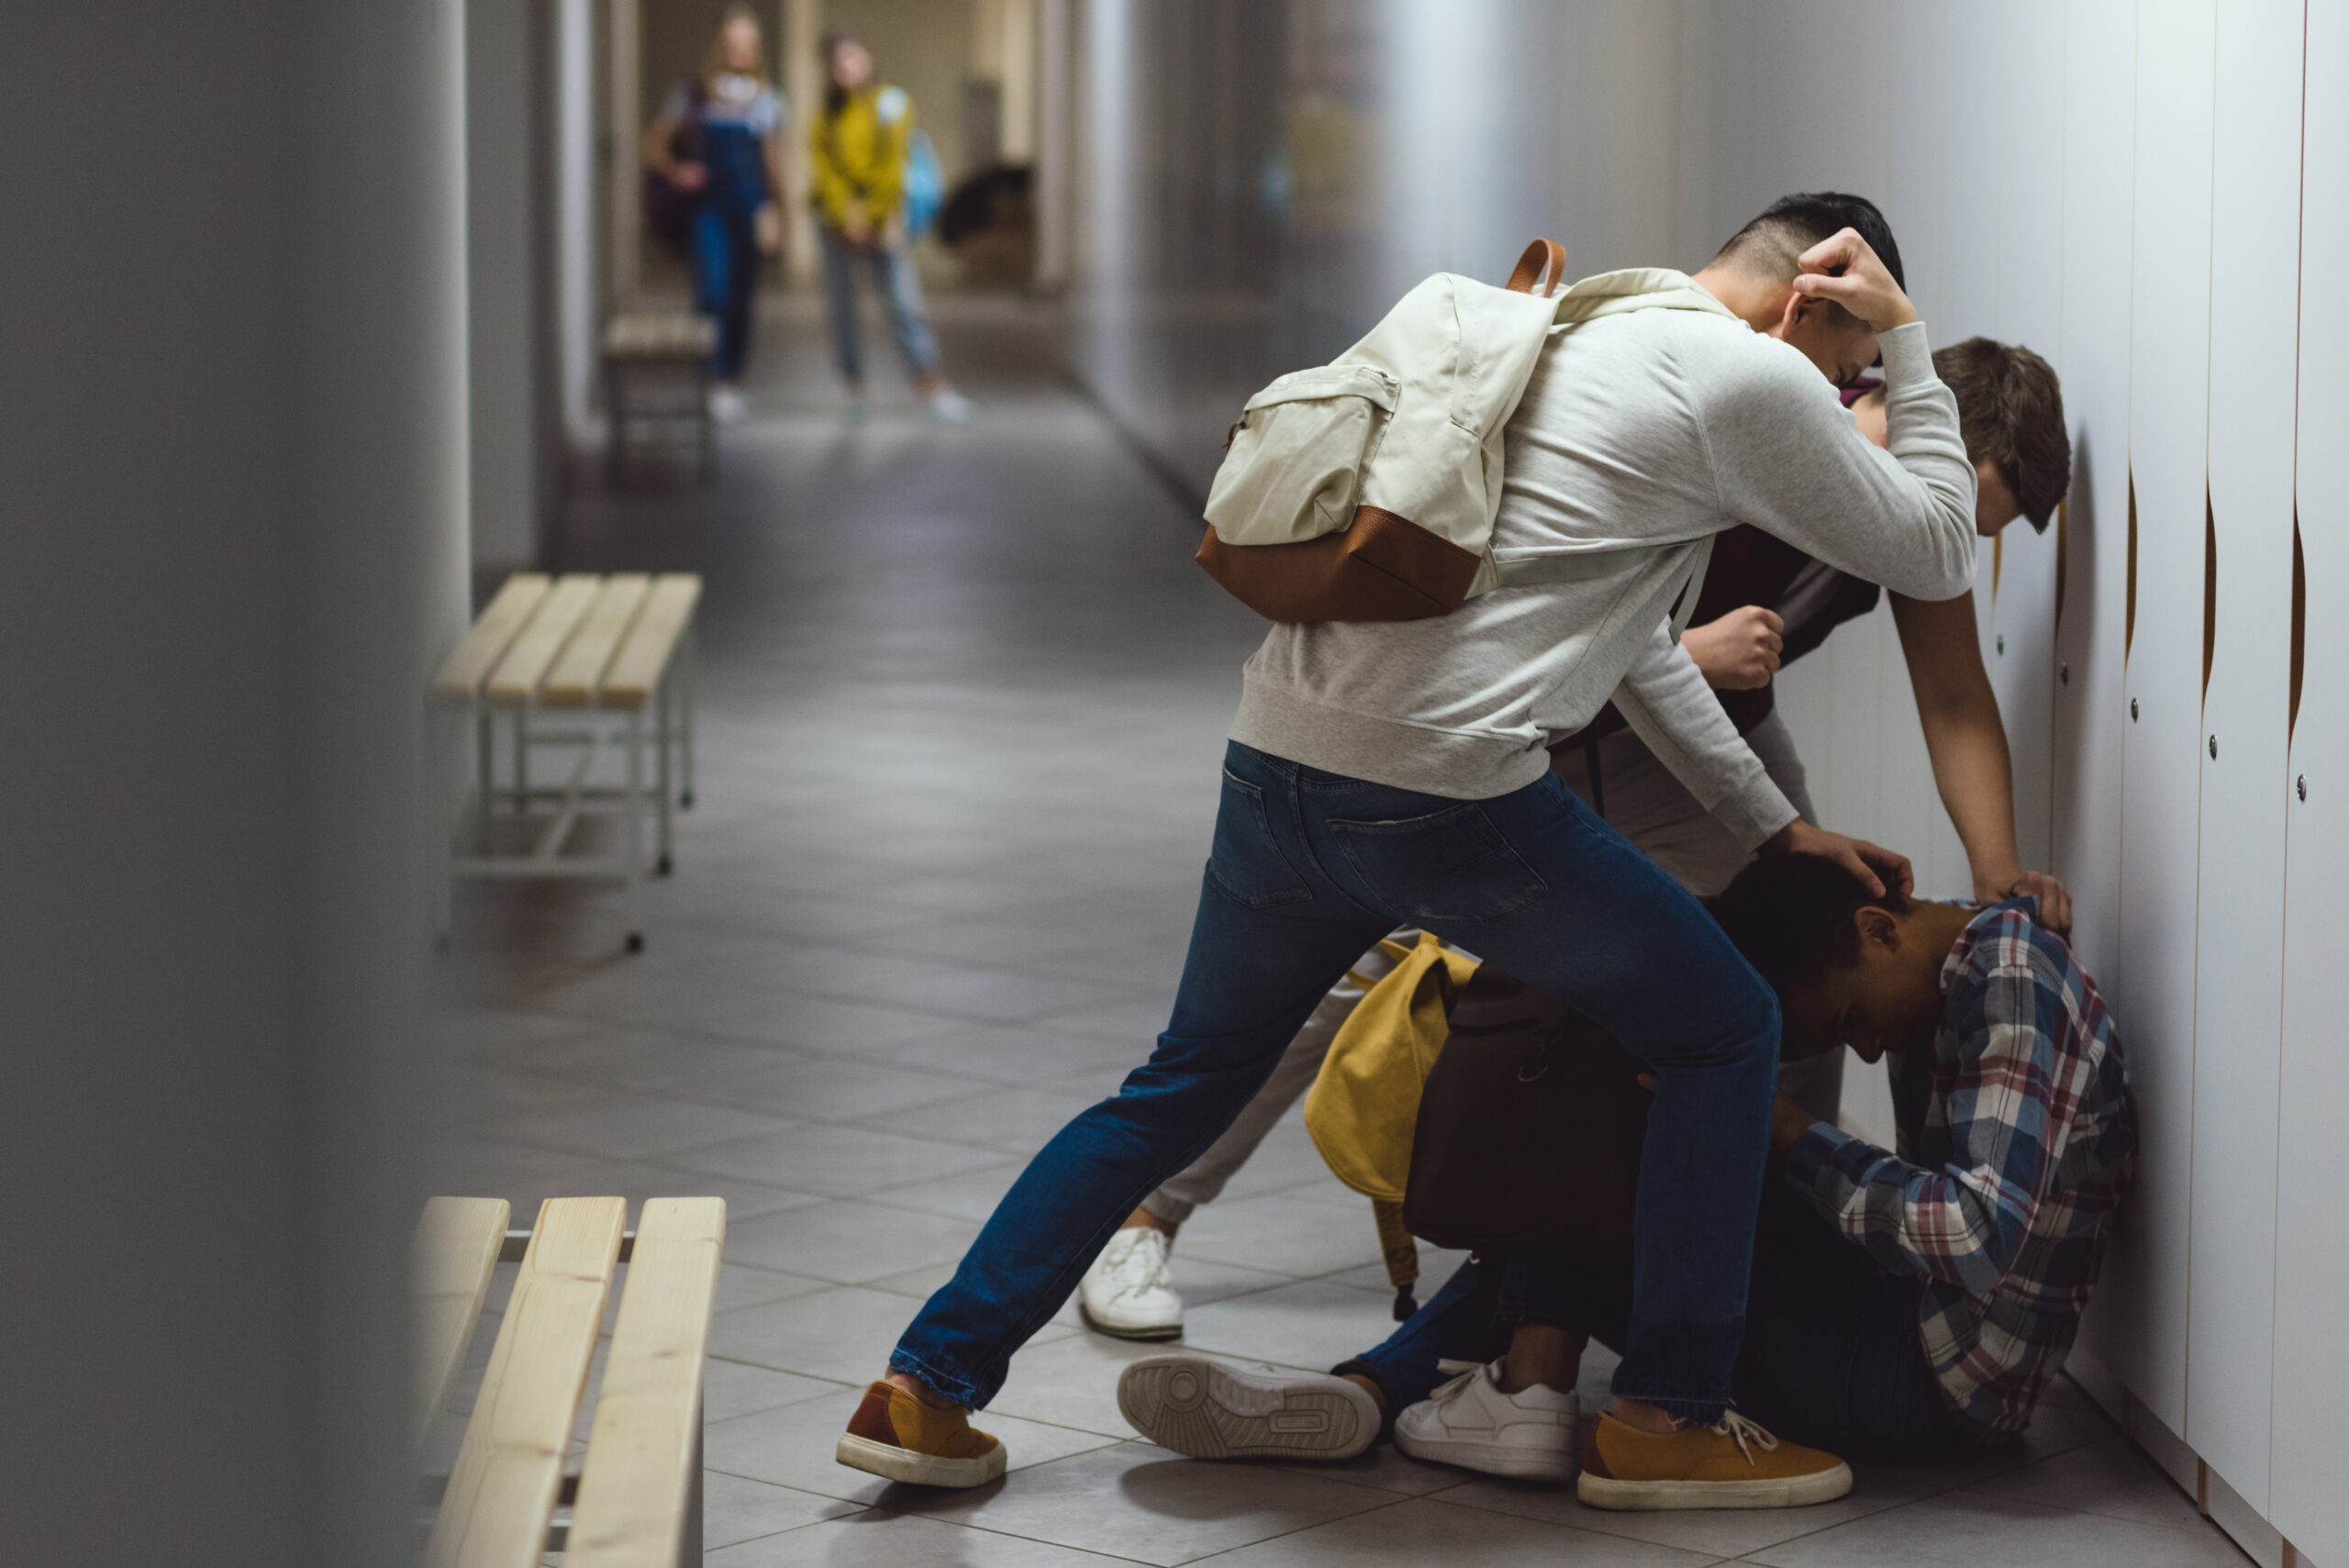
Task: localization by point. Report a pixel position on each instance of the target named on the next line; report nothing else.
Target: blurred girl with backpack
(713, 179)
(863, 152)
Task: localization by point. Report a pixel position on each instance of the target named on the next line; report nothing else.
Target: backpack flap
(1294, 469)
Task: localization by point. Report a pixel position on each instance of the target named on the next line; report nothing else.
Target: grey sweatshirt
(1658, 427)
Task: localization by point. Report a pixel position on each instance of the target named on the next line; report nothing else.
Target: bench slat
(470, 662)
(639, 1474)
(636, 673)
(457, 1244)
(502, 1492)
(578, 675)
(517, 675)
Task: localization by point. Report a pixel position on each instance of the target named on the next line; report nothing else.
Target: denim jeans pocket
(1247, 865)
(1451, 866)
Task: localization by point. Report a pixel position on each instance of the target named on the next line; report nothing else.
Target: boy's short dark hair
(1792, 224)
(2010, 411)
(1791, 916)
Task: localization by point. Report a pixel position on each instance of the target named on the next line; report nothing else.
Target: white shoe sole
(1491, 1459)
(892, 1463)
(1209, 1409)
(1130, 1330)
(1792, 1491)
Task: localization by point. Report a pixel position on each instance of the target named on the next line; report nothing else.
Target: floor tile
(874, 1539)
(1426, 1529)
(1313, 1323)
(1020, 1054)
(1136, 1501)
(1969, 1529)
(631, 1127)
(734, 1509)
(844, 1334)
(840, 1161)
(828, 1088)
(1016, 1121)
(737, 1388)
(2112, 1476)
(1725, 1532)
(741, 1285)
(848, 1243)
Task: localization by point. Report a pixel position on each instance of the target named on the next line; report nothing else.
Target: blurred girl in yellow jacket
(856, 150)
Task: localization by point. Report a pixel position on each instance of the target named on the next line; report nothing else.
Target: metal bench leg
(484, 776)
(692, 674)
(615, 438)
(522, 760)
(661, 747)
(636, 830)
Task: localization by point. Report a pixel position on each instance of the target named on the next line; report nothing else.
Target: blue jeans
(1832, 1355)
(900, 290)
(725, 279)
(1308, 869)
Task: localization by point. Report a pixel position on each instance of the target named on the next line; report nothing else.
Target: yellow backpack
(1362, 1108)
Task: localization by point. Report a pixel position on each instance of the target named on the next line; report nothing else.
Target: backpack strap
(1543, 260)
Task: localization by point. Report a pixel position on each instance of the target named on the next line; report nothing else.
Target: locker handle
(2299, 624)
(2128, 614)
(2209, 589)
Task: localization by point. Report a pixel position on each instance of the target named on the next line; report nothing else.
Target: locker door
(2256, 233)
(2090, 704)
(2020, 651)
(2308, 1501)
(2152, 990)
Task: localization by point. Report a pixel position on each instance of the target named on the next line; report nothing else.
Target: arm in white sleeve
(1665, 699)
(1788, 459)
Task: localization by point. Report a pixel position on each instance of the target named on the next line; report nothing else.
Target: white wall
(233, 478)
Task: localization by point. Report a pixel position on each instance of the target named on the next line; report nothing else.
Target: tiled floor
(962, 701)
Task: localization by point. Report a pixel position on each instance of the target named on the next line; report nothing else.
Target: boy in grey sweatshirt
(1397, 773)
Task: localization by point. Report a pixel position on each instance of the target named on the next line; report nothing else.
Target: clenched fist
(1740, 652)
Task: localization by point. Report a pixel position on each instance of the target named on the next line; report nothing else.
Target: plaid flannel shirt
(2016, 1141)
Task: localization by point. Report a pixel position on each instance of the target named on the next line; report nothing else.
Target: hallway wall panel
(2309, 1503)
(2254, 225)
(2153, 986)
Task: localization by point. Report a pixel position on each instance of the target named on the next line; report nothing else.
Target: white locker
(2308, 1500)
(2152, 985)
(2255, 250)
(2020, 651)
(2089, 705)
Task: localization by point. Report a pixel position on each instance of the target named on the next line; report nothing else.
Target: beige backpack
(1366, 489)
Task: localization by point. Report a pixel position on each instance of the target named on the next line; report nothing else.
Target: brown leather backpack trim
(1382, 567)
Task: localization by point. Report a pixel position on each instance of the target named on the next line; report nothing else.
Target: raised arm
(1788, 459)
(1967, 743)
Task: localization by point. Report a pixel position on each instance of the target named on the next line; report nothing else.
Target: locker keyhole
(2214, 748)
(2003, 645)
(2064, 674)
(2132, 710)
(2302, 784)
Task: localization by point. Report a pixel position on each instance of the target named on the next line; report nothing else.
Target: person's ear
(1877, 928)
(1791, 314)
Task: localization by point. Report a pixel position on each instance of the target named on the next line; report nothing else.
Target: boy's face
(1889, 1000)
(1994, 500)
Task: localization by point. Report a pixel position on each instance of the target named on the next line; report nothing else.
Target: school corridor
(963, 699)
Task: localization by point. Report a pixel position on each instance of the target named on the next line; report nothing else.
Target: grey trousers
(1648, 805)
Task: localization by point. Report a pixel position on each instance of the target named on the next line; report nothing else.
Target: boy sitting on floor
(1903, 1305)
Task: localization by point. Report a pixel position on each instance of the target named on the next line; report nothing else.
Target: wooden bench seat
(636, 1501)
(581, 644)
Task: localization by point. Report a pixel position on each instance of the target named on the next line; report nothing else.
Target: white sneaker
(1533, 1434)
(726, 404)
(1129, 1291)
(1212, 1409)
(948, 406)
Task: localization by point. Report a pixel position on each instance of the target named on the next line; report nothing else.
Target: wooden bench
(656, 377)
(636, 1500)
(583, 661)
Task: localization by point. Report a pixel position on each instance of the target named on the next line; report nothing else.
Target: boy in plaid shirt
(1904, 1305)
